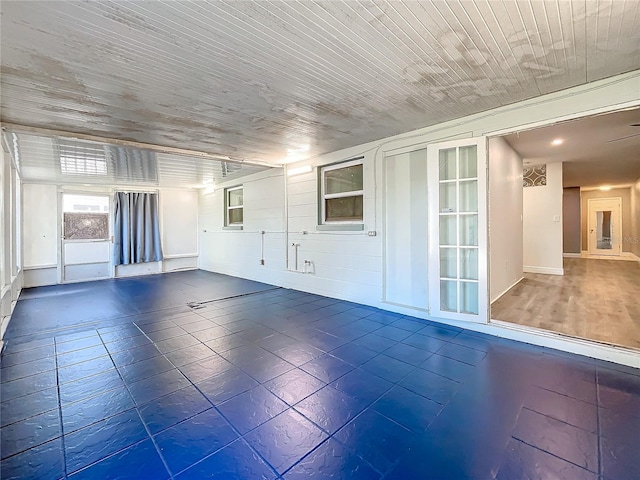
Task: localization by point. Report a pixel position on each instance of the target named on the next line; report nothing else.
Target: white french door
(457, 176)
(605, 226)
(86, 237)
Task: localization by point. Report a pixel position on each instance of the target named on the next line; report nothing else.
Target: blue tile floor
(121, 379)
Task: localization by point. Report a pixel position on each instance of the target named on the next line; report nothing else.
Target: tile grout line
(598, 422)
(136, 407)
(62, 435)
(214, 407)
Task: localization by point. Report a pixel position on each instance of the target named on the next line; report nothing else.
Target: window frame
(227, 224)
(323, 197)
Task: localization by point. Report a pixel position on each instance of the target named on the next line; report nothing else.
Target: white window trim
(328, 196)
(227, 224)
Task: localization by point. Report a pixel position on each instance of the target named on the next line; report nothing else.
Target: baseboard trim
(572, 255)
(543, 270)
(506, 290)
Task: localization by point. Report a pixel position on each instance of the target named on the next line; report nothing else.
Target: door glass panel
(449, 295)
(448, 164)
(448, 231)
(447, 197)
(469, 196)
(469, 230)
(469, 263)
(469, 297)
(458, 211)
(468, 162)
(604, 230)
(85, 217)
(448, 263)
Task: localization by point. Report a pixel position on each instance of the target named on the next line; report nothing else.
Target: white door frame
(62, 241)
(434, 231)
(615, 205)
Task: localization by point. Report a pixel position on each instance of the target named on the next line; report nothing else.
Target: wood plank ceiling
(282, 81)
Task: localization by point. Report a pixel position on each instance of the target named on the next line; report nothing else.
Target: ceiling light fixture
(605, 188)
(557, 141)
(299, 170)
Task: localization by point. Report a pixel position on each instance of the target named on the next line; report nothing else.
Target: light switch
(556, 218)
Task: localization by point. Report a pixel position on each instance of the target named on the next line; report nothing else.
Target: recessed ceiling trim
(129, 143)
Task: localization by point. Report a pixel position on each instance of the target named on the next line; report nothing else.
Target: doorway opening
(85, 252)
(564, 208)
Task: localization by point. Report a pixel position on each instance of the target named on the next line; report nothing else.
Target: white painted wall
(406, 230)
(505, 217)
(11, 277)
(350, 265)
(178, 224)
(542, 224)
(238, 252)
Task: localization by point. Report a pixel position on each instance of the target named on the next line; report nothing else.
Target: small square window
(341, 193)
(234, 207)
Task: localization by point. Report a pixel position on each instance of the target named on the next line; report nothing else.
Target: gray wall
(571, 220)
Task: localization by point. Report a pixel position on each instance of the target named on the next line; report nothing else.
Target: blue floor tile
(251, 408)
(27, 406)
(88, 386)
(327, 368)
(557, 438)
(294, 385)
(284, 439)
(134, 463)
(201, 369)
(406, 399)
(330, 409)
(84, 369)
(185, 443)
(173, 408)
(226, 385)
(93, 409)
(30, 433)
(430, 385)
(332, 460)
(134, 372)
(44, 462)
(21, 370)
(525, 461)
(236, 460)
(97, 441)
(409, 409)
(388, 368)
(378, 440)
(157, 386)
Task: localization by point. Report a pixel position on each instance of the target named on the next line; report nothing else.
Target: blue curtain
(137, 228)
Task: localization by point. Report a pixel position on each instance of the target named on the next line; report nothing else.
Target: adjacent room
(319, 239)
(580, 268)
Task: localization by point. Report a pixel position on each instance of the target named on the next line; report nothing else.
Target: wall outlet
(372, 233)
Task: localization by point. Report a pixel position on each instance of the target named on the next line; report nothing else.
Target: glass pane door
(458, 229)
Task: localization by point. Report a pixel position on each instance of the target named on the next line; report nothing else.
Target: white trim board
(506, 290)
(543, 270)
(624, 256)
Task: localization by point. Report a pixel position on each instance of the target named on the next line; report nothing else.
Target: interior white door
(605, 226)
(457, 176)
(86, 237)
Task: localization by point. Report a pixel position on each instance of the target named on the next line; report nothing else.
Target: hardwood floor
(595, 299)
